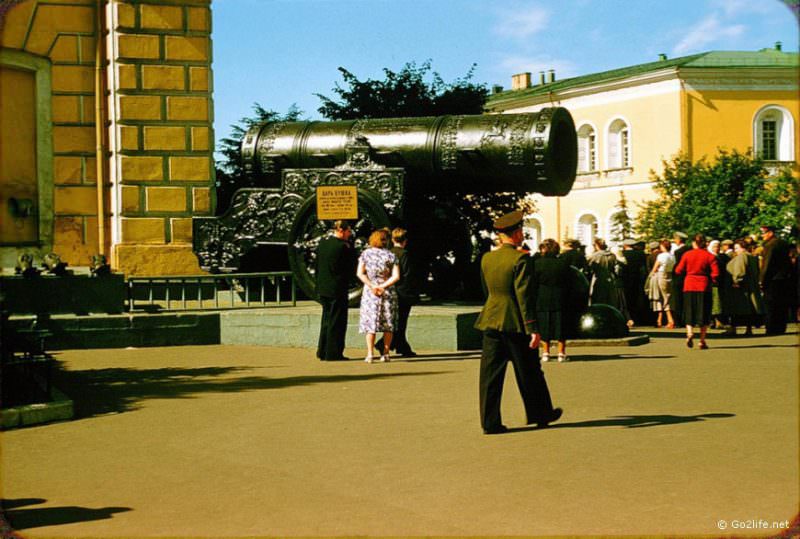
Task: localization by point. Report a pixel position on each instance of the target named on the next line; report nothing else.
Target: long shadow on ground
(114, 390)
(23, 519)
(633, 421)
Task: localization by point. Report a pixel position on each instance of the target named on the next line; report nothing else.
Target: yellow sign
(337, 202)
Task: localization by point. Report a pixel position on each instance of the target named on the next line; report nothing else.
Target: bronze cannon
(402, 168)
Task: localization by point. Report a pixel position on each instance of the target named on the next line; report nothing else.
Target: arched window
(619, 145)
(533, 233)
(586, 230)
(773, 134)
(587, 149)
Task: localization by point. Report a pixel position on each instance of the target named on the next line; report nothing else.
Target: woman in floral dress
(378, 269)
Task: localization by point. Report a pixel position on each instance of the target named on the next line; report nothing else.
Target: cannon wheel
(307, 231)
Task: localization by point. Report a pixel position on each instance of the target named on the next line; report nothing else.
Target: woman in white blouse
(661, 277)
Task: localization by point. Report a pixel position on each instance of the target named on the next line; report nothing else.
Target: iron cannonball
(602, 322)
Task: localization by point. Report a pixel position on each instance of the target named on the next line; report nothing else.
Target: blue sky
(280, 52)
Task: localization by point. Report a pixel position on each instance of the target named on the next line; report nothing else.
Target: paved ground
(253, 441)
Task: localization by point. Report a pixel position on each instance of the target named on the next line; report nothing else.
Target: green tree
(728, 197)
(621, 222)
(405, 93)
(229, 170)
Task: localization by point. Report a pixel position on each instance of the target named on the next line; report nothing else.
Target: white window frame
(578, 227)
(784, 136)
(585, 148)
(614, 144)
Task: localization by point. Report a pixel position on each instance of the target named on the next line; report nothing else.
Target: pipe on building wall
(100, 32)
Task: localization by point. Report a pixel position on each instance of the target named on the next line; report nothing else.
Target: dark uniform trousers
(500, 347)
(399, 341)
(333, 327)
(776, 306)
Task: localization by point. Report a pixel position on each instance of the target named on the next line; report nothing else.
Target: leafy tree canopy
(728, 197)
(406, 93)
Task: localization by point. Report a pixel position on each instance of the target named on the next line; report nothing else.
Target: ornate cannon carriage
(402, 168)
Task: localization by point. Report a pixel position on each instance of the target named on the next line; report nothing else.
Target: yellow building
(145, 168)
(631, 119)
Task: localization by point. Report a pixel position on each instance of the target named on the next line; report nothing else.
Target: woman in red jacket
(701, 271)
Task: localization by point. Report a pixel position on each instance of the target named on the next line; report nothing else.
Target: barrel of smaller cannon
(522, 153)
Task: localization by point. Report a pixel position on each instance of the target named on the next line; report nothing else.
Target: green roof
(722, 59)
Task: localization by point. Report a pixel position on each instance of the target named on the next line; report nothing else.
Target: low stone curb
(59, 409)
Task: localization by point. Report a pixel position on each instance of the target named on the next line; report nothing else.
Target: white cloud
(737, 8)
(708, 30)
(521, 24)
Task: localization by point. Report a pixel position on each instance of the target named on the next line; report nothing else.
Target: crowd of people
(531, 297)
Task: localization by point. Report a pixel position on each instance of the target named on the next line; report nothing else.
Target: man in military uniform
(335, 266)
(509, 331)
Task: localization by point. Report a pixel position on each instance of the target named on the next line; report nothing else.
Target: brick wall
(161, 122)
(159, 111)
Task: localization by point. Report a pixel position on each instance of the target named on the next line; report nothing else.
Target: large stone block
(161, 17)
(16, 22)
(144, 169)
(76, 200)
(163, 77)
(143, 230)
(140, 107)
(164, 138)
(130, 199)
(201, 200)
(192, 169)
(73, 139)
(187, 108)
(73, 78)
(66, 109)
(187, 48)
(199, 79)
(129, 137)
(199, 19)
(125, 15)
(138, 46)
(200, 138)
(50, 20)
(126, 76)
(165, 199)
(181, 230)
(68, 170)
(133, 260)
(65, 49)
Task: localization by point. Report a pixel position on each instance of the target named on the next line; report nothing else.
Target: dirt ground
(221, 441)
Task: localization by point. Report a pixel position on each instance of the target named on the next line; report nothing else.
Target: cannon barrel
(522, 153)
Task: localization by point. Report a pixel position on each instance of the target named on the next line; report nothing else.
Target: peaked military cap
(681, 235)
(508, 222)
(630, 242)
(653, 245)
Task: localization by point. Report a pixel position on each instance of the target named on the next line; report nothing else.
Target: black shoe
(499, 429)
(408, 353)
(553, 416)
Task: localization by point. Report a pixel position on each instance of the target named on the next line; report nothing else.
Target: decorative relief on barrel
(265, 145)
(539, 143)
(517, 137)
(449, 135)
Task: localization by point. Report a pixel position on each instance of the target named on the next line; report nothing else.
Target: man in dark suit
(679, 248)
(335, 266)
(407, 291)
(774, 279)
(633, 274)
(509, 331)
